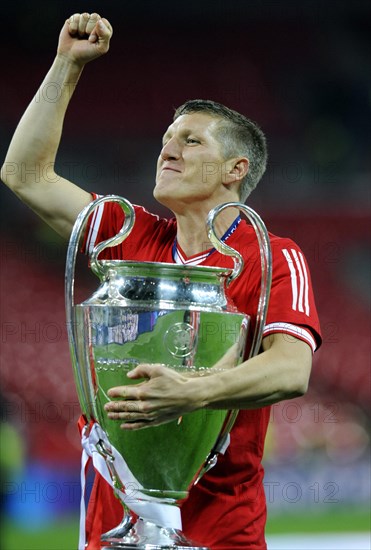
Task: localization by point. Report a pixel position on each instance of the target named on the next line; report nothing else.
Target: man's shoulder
(145, 217)
(246, 236)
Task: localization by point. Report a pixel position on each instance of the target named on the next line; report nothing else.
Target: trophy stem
(145, 535)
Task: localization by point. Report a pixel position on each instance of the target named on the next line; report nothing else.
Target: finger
(127, 416)
(132, 426)
(143, 370)
(139, 424)
(73, 22)
(102, 31)
(108, 25)
(123, 407)
(83, 22)
(125, 392)
(91, 24)
(125, 413)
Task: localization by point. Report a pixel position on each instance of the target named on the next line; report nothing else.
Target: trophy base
(145, 535)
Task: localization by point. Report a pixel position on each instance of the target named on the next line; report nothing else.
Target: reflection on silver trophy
(175, 315)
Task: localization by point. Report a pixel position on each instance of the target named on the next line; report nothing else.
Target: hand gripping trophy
(147, 312)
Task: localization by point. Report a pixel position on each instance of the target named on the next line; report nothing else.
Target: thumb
(102, 31)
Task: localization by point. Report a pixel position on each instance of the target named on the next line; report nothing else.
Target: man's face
(190, 166)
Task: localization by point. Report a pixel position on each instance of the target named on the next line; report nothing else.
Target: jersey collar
(180, 258)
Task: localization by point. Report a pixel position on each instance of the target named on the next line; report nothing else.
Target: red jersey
(226, 509)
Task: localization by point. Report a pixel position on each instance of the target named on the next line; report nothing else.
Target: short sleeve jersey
(226, 509)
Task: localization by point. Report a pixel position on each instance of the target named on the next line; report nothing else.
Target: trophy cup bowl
(147, 312)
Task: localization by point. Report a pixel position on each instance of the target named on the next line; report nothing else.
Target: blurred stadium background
(302, 70)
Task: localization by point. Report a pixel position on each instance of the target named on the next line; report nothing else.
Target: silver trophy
(175, 315)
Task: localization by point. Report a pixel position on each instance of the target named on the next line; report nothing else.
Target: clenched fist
(84, 37)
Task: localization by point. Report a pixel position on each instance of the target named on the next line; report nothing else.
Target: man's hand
(84, 37)
(163, 396)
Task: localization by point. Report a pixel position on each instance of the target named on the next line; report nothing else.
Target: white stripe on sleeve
(306, 294)
(294, 330)
(301, 280)
(294, 282)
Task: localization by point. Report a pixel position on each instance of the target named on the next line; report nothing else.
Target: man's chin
(167, 200)
(161, 196)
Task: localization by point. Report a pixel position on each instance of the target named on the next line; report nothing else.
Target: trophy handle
(73, 248)
(220, 245)
(265, 287)
(95, 264)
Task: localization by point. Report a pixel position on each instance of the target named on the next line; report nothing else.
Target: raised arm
(28, 169)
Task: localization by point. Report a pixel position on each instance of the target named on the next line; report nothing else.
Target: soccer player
(210, 155)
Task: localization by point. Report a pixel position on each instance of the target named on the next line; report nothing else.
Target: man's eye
(192, 140)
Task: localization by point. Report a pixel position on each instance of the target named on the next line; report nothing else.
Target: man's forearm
(280, 372)
(37, 137)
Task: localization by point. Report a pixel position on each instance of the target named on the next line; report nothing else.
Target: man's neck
(192, 233)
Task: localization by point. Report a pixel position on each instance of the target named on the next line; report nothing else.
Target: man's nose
(171, 150)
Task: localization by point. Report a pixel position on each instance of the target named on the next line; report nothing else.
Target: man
(210, 155)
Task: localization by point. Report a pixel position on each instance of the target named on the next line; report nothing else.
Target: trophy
(175, 315)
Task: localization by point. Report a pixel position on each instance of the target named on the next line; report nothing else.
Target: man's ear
(235, 170)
